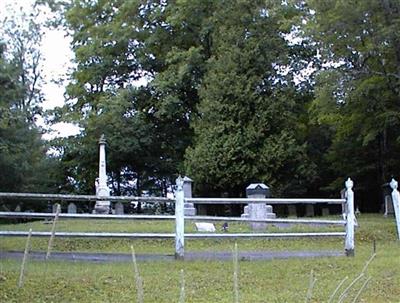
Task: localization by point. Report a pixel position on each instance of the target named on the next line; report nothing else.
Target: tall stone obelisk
(102, 190)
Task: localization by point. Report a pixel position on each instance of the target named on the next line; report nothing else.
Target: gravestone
(292, 211)
(325, 211)
(205, 227)
(258, 210)
(388, 208)
(119, 208)
(71, 208)
(188, 208)
(309, 210)
(102, 190)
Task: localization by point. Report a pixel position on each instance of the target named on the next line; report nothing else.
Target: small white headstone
(205, 227)
(71, 208)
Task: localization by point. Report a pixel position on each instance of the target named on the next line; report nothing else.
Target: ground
(205, 281)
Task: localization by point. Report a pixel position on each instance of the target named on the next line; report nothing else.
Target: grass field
(211, 281)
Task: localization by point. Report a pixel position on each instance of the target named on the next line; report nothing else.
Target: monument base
(189, 209)
(258, 211)
(102, 208)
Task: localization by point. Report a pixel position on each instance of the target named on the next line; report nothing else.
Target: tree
(23, 34)
(23, 162)
(247, 129)
(119, 43)
(190, 53)
(357, 96)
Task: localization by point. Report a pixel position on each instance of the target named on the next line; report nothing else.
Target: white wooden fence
(348, 222)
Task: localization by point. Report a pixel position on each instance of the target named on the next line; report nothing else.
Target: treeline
(296, 94)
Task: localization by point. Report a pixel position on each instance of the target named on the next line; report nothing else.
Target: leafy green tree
(22, 152)
(23, 34)
(24, 164)
(149, 126)
(247, 129)
(199, 58)
(357, 95)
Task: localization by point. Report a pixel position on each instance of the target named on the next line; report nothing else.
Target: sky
(58, 59)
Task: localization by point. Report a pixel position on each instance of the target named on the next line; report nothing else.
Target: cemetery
(84, 245)
(199, 151)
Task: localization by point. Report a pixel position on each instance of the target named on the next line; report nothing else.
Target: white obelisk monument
(102, 190)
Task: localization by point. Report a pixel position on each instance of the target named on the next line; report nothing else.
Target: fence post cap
(394, 184)
(349, 183)
(179, 183)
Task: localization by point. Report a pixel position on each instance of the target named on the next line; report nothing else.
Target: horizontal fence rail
(179, 235)
(262, 201)
(84, 216)
(168, 235)
(86, 198)
(166, 217)
(93, 198)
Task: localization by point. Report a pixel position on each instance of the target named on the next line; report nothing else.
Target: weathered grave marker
(189, 208)
(309, 210)
(205, 227)
(325, 211)
(71, 208)
(119, 208)
(258, 210)
(388, 208)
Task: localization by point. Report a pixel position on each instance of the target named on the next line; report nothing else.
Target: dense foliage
(214, 106)
(24, 165)
(296, 94)
(358, 99)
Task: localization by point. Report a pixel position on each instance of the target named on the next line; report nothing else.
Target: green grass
(153, 246)
(259, 281)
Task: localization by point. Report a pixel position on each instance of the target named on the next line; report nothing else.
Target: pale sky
(57, 60)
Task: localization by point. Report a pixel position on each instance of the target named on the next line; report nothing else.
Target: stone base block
(189, 210)
(102, 207)
(271, 216)
(325, 211)
(262, 226)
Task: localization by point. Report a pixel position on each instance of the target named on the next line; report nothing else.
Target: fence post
(396, 204)
(350, 218)
(179, 220)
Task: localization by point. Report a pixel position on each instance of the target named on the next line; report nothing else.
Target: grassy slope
(260, 281)
(154, 245)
